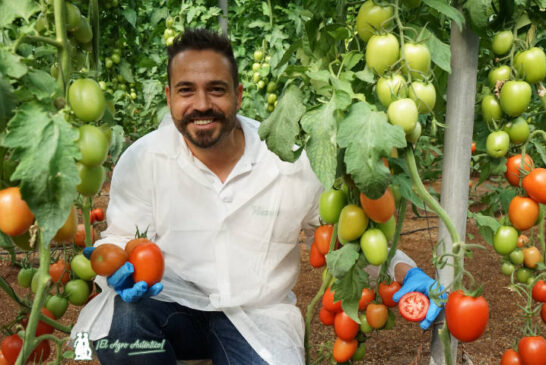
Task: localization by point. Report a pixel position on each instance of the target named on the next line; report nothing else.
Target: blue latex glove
(123, 283)
(417, 280)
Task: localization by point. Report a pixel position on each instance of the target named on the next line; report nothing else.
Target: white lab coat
(228, 246)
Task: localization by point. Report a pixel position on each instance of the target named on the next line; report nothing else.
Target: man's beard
(206, 139)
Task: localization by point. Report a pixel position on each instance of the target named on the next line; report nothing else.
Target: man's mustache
(209, 114)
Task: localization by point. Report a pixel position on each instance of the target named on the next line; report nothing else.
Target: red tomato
(377, 315)
(413, 306)
(79, 239)
(328, 301)
(543, 312)
(344, 350)
(523, 212)
(378, 210)
(326, 317)
(323, 235)
(3, 360)
(15, 215)
(97, 214)
(466, 316)
(60, 271)
(510, 357)
(513, 166)
(473, 147)
(386, 291)
(532, 350)
(107, 258)
(522, 240)
(148, 262)
(531, 257)
(539, 291)
(345, 327)
(130, 246)
(367, 296)
(11, 346)
(535, 185)
(316, 259)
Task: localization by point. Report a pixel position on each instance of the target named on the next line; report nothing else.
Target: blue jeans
(155, 332)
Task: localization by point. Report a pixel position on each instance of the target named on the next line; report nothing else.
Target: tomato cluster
(261, 77)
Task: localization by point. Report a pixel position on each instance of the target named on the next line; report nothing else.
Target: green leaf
(366, 75)
(539, 146)
(341, 261)
(280, 129)
(45, 146)
(367, 137)
(158, 15)
(351, 59)
(320, 125)
(440, 52)
(6, 244)
(125, 71)
(342, 85)
(479, 12)
(342, 100)
(449, 11)
(40, 84)
(11, 65)
(7, 102)
(405, 184)
(487, 225)
(348, 288)
(130, 15)
(151, 88)
(118, 142)
(13, 9)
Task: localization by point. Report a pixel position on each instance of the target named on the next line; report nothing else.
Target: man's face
(202, 98)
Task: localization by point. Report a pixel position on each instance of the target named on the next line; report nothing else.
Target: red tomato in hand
(513, 166)
(386, 291)
(316, 259)
(532, 350)
(345, 327)
(326, 317)
(466, 316)
(535, 185)
(510, 357)
(413, 306)
(323, 235)
(328, 301)
(539, 291)
(107, 258)
(344, 350)
(367, 296)
(377, 315)
(60, 271)
(148, 262)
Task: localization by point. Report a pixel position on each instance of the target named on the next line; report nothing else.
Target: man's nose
(202, 101)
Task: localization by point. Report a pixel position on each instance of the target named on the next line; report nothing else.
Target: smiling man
(226, 213)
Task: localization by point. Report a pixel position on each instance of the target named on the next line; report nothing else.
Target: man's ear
(239, 96)
(168, 95)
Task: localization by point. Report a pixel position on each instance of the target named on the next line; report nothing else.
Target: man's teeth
(202, 122)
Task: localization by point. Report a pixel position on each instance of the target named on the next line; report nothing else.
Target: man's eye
(218, 90)
(184, 90)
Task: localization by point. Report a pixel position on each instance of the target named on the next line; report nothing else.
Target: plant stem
(270, 13)
(445, 338)
(394, 245)
(38, 39)
(94, 17)
(541, 216)
(310, 311)
(64, 51)
(86, 207)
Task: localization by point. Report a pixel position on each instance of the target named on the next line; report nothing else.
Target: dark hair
(202, 39)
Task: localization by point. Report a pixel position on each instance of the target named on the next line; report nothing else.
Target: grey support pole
(461, 95)
(223, 19)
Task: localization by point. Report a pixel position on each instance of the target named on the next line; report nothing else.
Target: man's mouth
(202, 121)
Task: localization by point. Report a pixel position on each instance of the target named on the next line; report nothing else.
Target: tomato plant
(93, 145)
(326, 317)
(382, 51)
(501, 73)
(323, 235)
(510, 357)
(535, 185)
(386, 291)
(502, 42)
(79, 238)
(57, 305)
(372, 17)
(316, 258)
(374, 245)
(15, 215)
(344, 350)
(513, 167)
(523, 212)
(466, 316)
(539, 291)
(107, 259)
(59, 272)
(91, 179)
(532, 350)
(413, 306)
(515, 97)
(97, 214)
(424, 96)
(352, 223)
(378, 210)
(328, 301)
(377, 315)
(531, 64)
(368, 295)
(416, 60)
(404, 113)
(148, 262)
(77, 291)
(330, 205)
(391, 88)
(344, 326)
(531, 257)
(497, 144)
(68, 230)
(25, 275)
(81, 266)
(505, 239)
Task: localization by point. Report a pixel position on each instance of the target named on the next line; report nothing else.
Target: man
(226, 213)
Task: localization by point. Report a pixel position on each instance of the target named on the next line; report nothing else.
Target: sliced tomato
(413, 306)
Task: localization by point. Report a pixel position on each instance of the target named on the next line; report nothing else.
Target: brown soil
(406, 343)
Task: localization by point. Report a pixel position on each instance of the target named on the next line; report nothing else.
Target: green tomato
(169, 41)
(258, 55)
(77, 291)
(374, 245)
(108, 63)
(256, 77)
(497, 144)
(41, 23)
(516, 256)
(271, 98)
(81, 266)
(518, 130)
(388, 228)
(501, 73)
(413, 137)
(416, 60)
(255, 67)
(502, 42)
(93, 145)
(86, 99)
(54, 71)
(116, 58)
(91, 179)
(382, 51)
(424, 95)
(364, 325)
(531, 64)
(169, 22)
(372, 17)
(505, 240)
(391, 88)
(330, 205)
(57, 305)
(73, 16)
(359, 353)
(491, 109)
(261, 84)
(507, 268)
(271, 86)
(523, 275)
(84, 34)
(25, 275)
(265, 68)
(515, 97)
(352, 223)
(168, 33)
(404, 113)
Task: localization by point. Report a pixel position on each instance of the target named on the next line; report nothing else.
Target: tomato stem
(63, 52)
(86, 208)
(94, 18)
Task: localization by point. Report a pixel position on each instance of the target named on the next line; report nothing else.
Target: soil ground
(406, 343)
